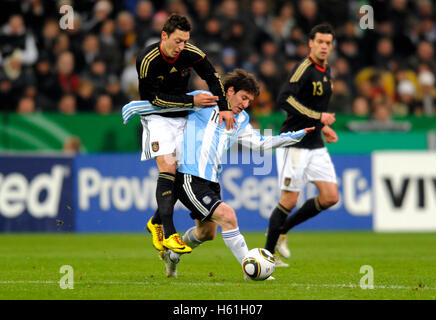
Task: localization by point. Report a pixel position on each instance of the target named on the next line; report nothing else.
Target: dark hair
(176, 21)
(241, 80)
(321, 28)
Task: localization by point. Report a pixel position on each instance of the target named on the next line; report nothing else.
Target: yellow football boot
(157, 234)
(176, 244)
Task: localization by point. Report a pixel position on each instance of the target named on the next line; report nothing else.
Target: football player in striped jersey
(305, 97)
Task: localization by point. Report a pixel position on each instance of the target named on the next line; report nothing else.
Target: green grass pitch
(324, 265)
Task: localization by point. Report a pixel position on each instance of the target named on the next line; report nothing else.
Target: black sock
(309, 209)
(165, 201)
(276, 221)
(156, 218)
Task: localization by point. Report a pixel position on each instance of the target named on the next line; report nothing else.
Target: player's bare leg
(225, 217)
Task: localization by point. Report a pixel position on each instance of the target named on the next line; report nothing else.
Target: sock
(235, 241)
(190, 239)
(309, 209)
(276, 221)
(156, 218)
(165, 201)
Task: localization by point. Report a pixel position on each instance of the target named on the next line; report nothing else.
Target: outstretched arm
(252, 139)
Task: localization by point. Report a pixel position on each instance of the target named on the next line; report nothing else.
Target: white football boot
(170, 265)
(282, 246)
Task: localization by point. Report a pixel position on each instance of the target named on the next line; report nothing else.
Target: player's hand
(329, 134)
(307, 130)
(229, 118)
(205, 100)
(327, 118)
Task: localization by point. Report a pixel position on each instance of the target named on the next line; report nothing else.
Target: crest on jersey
(207, 200)
(155, 146)
(287, 181)
(325, 79)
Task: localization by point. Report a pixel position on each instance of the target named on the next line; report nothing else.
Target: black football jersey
(164, 81)
(304, 96)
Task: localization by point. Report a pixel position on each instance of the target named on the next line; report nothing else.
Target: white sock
(235, 241)
(188, 238)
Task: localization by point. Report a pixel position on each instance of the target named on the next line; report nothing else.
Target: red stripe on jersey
(317, 65)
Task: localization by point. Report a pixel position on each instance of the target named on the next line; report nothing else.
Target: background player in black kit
(163, 72)
(305, 98)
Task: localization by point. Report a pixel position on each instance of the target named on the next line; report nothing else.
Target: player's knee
(329, 200)
(227, 217)
(288, 201)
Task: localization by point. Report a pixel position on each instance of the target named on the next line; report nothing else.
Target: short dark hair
(242, 80)
(176, 21)
(321, 28)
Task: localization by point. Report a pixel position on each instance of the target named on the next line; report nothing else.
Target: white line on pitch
(306, 285)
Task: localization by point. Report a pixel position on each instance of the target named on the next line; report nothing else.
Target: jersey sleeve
(147, 68)
(207, 72)
(288, 97)
(252, 139)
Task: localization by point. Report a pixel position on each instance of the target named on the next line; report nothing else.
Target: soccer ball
(258, 264)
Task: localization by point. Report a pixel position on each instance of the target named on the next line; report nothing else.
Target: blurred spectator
(125, 31)
(236, 38)
(361, 107)
(143, 18)
(258, 21)
(270, 75)
(428, 93)
(103, 104)
(97, 74)
(101, 12)
(129, 80)
(68, 80)
(109, 50)
(211, 40)
(228, 59)
(381, 121)
(157, 24)
(263, 104)
(25, 105)
(424, 55)
(113, 89)
(200, 14)
(341, 99)
(89, 53)
(72, 145)
(14, 36)
(228, 11)
(178, 7)
(406, 103)
(45, 82)
(85, 96)
(308, 15)
(47, 39)
(67, 104)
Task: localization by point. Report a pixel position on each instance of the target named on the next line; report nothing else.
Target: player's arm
(148, 75)
(329, 134)
(288, 97)
(252, 139)
(207, 72)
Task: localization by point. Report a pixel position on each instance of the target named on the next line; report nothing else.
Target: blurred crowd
(382, 72)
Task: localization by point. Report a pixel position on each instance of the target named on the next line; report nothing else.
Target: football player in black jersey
(305, 97)
(163, 71)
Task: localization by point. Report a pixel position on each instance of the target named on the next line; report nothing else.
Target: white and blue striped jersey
(200, 150)
(205, 141)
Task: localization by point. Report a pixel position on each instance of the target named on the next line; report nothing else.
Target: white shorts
(298, 166)
(160, 135)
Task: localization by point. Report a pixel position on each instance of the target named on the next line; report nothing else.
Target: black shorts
(200, 196)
